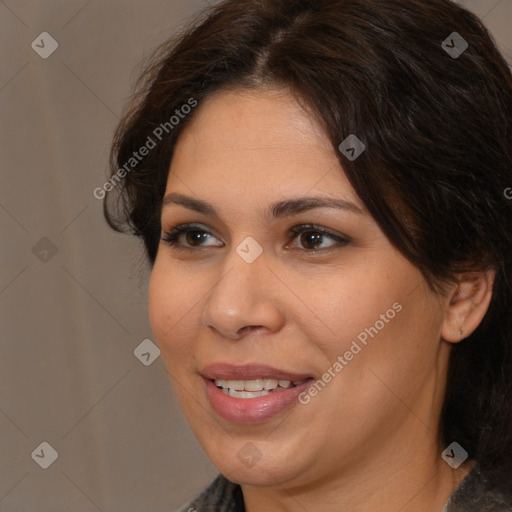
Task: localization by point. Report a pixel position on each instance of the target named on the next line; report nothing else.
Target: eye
(193, 235)
(312, 235)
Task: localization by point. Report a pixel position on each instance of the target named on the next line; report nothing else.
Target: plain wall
(73, 293)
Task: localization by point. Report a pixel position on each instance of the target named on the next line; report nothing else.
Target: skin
(368, 441)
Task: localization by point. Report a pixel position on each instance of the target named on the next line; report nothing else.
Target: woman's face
(251, 298)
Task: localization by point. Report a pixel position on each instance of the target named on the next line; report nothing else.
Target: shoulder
(481, 491)
(220, 496)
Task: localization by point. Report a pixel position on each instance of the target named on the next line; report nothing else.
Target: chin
(256, 463)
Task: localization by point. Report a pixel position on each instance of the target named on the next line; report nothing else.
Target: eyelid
(171, 236)
(341, 240)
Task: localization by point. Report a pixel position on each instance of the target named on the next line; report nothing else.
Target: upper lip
(249, 372)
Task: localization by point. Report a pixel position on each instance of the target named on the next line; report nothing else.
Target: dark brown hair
(438, 134)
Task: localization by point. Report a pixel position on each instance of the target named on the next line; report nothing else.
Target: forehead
(259, 110)
(262, 141)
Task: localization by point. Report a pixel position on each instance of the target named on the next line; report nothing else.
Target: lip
(248, 372)
(251, 410)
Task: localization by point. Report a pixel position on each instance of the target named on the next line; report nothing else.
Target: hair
(434, 175)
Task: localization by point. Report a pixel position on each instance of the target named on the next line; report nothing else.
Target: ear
(468, 302)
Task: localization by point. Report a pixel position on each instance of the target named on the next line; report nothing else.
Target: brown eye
(192, 235)
(312, 237)
(195, 237)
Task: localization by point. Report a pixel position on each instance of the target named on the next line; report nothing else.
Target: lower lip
(252, 410)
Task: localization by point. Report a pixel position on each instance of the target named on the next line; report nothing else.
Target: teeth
(252, 388)
(246, 394)
(254, 385)
(222, 383)
(239, 385)
(270, 383)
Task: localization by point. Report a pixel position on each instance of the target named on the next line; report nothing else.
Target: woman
(320, 188)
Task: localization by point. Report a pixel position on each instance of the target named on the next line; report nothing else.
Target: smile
(251, 393)
(254, 388)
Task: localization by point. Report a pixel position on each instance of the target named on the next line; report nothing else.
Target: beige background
(69, 325)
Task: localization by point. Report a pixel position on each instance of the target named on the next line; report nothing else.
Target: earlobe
(467, 305)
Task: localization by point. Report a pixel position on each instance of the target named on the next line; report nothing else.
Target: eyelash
(171, 237)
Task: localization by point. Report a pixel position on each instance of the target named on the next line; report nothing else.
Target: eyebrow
(276, 210)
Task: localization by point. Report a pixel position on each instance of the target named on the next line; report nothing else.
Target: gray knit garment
(475, 493)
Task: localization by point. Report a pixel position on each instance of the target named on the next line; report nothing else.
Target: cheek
(377, 320)
(171, 309)
(351, 304)
(399, 341)
(160, 301)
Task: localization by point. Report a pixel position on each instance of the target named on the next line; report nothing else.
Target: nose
(244, 299)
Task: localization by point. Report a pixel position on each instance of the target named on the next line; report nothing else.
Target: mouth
(252, 393)
(255, 388)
